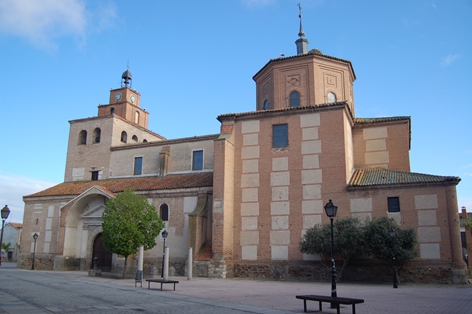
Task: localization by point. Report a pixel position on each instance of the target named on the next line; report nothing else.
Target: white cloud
(12, 190)
(449, 59)
(41, 21)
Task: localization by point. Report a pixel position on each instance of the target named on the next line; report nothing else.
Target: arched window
(96, 135)
(331, 97)
(145, 141)
(136, 117)
(83, 137)
(164, 212)
(266, 105)
(135, 138)
(124, 137)
(112, 111)
(294, 99)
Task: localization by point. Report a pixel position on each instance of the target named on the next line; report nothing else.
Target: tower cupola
(126, 79)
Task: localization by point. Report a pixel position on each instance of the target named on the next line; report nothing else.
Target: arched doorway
(104, 259)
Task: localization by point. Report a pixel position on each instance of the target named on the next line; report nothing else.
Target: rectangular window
(280, 135)
(197, 160)
(138, 165)
(393, 204)
(94, 175)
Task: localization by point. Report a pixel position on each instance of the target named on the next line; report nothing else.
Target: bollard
(166, 264)
(189, 264)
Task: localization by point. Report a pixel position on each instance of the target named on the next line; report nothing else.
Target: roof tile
(181, 181)
(379, 176)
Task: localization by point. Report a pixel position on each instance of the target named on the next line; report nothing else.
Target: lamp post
(35, 237)
(164, 236)
(392, 232)
(5, 212)
(331, 210)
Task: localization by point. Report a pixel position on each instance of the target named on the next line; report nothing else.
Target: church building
(242, 198)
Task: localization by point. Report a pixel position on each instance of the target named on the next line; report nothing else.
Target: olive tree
(380, 245)
(129, 221)
(348, 241)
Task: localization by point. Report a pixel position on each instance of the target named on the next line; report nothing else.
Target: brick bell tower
(124, 102)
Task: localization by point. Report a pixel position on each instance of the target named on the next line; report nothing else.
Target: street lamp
(35, 237)
(392, 232)
(331, 210)
(164, 236)
(5, 212)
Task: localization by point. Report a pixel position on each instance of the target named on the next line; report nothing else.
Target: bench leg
(149, 285)
(321, 307)
(353, 309)
(304, 305)
(161, 286)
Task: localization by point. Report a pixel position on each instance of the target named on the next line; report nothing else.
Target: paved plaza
(27, 291)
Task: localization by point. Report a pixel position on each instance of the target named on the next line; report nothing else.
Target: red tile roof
(379, 176)
(181, 181)
(16, 225)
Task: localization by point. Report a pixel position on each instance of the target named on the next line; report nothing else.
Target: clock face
(118, 97)
(133, 99)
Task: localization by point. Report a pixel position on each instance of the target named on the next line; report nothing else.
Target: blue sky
(194, 60)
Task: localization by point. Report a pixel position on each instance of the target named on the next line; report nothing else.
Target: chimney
(464, 213)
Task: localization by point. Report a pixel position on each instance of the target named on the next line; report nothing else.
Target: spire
(302, 43)
(301, 33)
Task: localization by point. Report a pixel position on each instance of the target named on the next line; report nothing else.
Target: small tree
(348, 241)
(6, 247)
(380, 244)
(467, 224)
(129, 221)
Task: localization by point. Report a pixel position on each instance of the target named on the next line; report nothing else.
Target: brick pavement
(251, 296)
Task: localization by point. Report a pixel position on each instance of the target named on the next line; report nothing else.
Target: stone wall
(359, 271)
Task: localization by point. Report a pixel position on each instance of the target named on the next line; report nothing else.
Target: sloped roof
(16, 225)
(380, 120)
(379, 176)
(263, 112)
(181, 181)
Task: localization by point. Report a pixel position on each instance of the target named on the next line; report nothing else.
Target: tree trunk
(124, 269)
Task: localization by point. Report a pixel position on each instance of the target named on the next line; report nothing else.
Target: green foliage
(348, 240)
(353, 240)
(129, 221)
(380, 244)
(467, 224)
(6, 246)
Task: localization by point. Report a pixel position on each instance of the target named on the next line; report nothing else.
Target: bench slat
(330, 299)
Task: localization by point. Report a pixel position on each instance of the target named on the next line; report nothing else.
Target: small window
(138, 166)
(331, 97)
(136, 117)
(135, 138)
(266, 105)
(145, 141)
(294, 99)
(96, 135)
(197, 160)
(112, 111)
(94, 175)
(83, 137)
(393, 204)
(164, 212)
(280, 135)
(124, 137)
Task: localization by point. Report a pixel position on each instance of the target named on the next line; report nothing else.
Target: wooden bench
(161, 281)
(333, 300)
